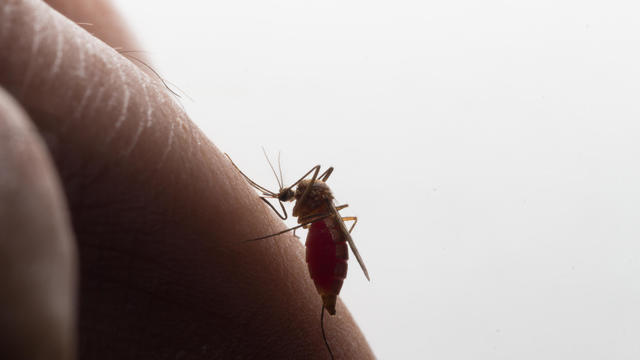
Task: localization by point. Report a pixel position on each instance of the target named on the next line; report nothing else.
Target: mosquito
(327, 238)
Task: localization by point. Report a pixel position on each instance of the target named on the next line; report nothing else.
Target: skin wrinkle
(125, 102)
(168, 147)
(110, 67)
(126, 107)
(81, 46)
(184, 128)
(37, 23)
(78, 112)
(96, 102)
(136, 136)
(111, 102)
(92, 170)
(144, 83)
(83, 102)
(59, 48)
(123, 113)
(81, 64)
(142, 80)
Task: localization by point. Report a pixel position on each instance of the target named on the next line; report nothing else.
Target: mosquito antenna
(324, 336)
(280, 169)
(272, 169)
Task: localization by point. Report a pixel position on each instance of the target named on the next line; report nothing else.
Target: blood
(327, 260)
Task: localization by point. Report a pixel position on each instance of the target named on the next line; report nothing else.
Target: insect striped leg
(340, 207)
(308, 221)
(348, 218)
(284, 211)
(264, 190)
(325, 175)
(315, 170)
(351, 218)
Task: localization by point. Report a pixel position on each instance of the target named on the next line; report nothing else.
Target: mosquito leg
(251, 182)
(325, 175)
(284, 211)
(308, 220)
(315, 170)
(307, 223)
(340, 207)
(305, 226)
(276, 234)
(351, 218)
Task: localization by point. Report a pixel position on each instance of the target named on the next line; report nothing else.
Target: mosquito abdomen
(326, 255)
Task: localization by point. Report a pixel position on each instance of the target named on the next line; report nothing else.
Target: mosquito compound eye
(287, 195)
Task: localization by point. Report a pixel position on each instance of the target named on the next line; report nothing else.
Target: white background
(489, 148)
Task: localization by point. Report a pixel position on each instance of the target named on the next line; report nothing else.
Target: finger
(159, 213)
(37, 254)
(101, 19)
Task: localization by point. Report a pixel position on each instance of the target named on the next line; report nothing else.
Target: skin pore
(121, 224)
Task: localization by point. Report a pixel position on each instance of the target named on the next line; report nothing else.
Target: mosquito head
(286, 194)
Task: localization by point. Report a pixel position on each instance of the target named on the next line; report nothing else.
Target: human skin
(121, 224)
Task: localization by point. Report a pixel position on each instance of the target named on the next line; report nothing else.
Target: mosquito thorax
(319, 190)
(316, 199)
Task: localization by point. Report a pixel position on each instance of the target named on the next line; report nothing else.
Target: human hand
(130, 200)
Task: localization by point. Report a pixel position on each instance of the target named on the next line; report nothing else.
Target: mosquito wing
(354, 249)
(352, 245)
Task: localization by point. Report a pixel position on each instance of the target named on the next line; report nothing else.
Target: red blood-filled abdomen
(327, 256)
